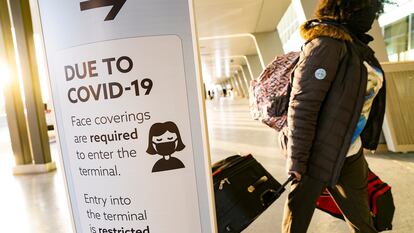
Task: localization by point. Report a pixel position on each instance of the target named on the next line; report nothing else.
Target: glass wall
(397, 24)
(288, 27)
(396, 38)
(412, 32)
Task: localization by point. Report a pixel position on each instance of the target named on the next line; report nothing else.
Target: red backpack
(269, 94)
(380, 200)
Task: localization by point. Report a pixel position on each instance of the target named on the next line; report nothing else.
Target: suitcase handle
(270, 195)
(260, 181)
(281, 189)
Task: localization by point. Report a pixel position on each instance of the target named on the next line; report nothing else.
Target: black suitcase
(243, 190)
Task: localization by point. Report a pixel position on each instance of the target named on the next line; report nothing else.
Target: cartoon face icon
(164, 139)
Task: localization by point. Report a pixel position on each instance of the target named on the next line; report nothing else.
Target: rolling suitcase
(243, 190)
(380, 201)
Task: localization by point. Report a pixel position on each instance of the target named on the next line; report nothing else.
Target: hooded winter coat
(327, 96)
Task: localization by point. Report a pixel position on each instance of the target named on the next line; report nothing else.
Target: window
(288, 24)
(396, 36)
(412, 32)
(288, 27)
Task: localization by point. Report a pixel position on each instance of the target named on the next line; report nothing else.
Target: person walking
(336, 109)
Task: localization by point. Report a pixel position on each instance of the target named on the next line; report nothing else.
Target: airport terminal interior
(236, 39)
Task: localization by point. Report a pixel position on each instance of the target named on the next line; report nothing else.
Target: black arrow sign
(116, 6)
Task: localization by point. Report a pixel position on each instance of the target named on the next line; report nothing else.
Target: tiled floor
(31, 203)
(37, 203)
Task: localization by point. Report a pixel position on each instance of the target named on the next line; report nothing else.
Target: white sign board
(127, 102)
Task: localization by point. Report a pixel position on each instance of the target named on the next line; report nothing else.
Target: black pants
(350, 194)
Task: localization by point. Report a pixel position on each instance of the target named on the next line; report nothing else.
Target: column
(36, 121)
(233, 85)
(255, 65)
(12, 93)
(244, 82)
(247, 73)
(378, 45)
(269, 45)
(308, 6)
(238, 86)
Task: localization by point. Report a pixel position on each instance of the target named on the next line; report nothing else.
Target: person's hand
(297, 175)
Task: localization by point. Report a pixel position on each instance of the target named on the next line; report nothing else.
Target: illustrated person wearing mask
(164, 139)
(336, 109)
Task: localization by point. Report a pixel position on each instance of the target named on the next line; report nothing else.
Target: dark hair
(159, 129)
(339, 10)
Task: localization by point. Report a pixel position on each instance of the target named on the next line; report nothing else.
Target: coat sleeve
(311, 81)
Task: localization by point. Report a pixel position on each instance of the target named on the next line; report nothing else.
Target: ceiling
(225, 30)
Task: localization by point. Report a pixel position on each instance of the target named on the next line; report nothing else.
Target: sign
(128, 108)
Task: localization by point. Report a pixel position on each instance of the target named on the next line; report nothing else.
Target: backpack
(269, 93)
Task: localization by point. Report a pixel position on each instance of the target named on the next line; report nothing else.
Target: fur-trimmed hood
(317, 28)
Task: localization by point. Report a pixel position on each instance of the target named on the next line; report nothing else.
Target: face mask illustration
(165, 141)
(165, 148)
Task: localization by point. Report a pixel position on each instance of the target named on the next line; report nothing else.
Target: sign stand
(129, 113)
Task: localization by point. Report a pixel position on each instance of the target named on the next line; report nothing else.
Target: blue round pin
(320, 73)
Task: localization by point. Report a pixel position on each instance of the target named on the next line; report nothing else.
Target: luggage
(269, 94)
(380, 201)
(243, 190)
